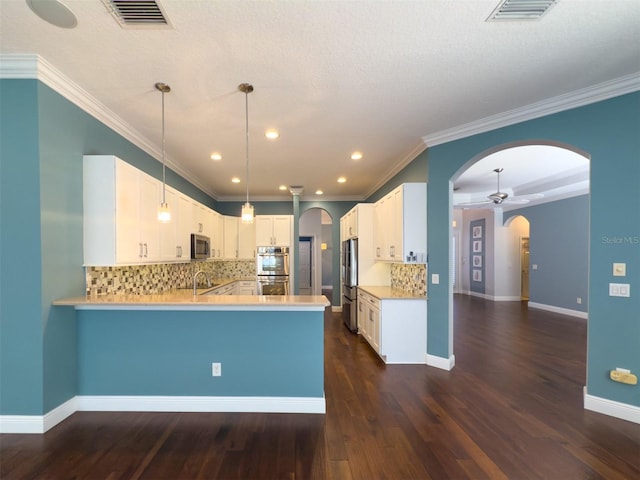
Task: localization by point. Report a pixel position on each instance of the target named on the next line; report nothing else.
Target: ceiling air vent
(137, 13)
(521, 10)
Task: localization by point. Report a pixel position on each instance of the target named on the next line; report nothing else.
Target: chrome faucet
(195, 280)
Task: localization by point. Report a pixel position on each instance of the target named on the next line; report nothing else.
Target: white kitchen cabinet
(239, 239)
(361, 218)
(396, 328)
(400, 226)
(246, 240)
(217, 235)
(230, 250)
(245, 287)
(349, 224)
(369, 319)
(120, 213)
(273, 230)
(175, 236)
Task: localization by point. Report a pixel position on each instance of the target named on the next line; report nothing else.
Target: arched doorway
(315, 253)
(494, 237)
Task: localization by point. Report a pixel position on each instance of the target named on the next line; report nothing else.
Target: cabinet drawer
(373, 301)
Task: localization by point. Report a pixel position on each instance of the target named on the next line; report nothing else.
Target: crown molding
(603, 91)
(33, 66)
(310, 197)
(397, 167)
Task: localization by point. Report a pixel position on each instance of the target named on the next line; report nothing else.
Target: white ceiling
(532, 174)
(331, 76)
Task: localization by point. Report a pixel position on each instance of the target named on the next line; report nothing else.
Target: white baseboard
(623, 411)
(507, 298)
(564, 311)
(335, 308)
(113, 403)
(108, 403)
(441, 362)
(37, 423)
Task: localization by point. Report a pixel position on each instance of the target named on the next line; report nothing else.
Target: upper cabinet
(175, 236)
(400, 225)
(273, 230)
(246, 240)
(217, 235)
(120, 213)
(239, 239)
(349, 224)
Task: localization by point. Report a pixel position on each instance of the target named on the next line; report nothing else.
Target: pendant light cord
(246, 108)
(164, 178)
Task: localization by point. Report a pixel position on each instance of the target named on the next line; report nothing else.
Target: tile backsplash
(158, 278)
(409, 277)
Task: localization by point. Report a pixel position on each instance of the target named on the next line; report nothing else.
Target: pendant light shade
(164, 213)
(247, 208)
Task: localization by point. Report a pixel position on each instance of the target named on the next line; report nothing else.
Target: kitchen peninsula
(157, 352)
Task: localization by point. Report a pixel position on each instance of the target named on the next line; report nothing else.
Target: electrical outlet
(216, 369)
(579, 301)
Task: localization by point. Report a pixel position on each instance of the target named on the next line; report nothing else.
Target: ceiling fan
(498, 198)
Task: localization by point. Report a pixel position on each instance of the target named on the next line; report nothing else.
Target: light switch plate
(435, 278)
(619, 269)
(619, 290)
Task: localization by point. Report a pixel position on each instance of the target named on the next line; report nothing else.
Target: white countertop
(382, 292)
(185, 300)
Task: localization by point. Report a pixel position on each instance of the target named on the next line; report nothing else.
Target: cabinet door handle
(140, 250)
(146, 251)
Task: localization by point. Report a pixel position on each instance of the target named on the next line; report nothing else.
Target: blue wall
(608, 132)
(21, 353)
(274, 353)
(559, 246)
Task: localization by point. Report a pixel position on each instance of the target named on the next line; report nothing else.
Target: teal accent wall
(416, 171)
(559, 246)
(21, 353)
(275, 353)
(608, 132)
(43, 139)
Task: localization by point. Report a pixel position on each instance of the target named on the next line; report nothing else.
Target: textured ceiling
(332, 77)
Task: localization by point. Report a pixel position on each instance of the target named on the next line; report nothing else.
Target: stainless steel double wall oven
(272, 270)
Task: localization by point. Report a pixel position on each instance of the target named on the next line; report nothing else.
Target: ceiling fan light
(498, 197)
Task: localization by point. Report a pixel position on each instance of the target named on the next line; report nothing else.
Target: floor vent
(137, 13)
(521, 10)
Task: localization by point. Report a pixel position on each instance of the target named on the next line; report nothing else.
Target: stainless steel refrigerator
(349, 273)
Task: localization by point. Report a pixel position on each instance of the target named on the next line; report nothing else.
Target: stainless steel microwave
(200, 246)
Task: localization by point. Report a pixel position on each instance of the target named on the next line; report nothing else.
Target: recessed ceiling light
(319, 192)
(271, 134)
(235, 180)
(356, 156)
(342, 180)
(216, 156)
(282, 187)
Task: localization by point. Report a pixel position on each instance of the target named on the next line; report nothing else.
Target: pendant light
(247, 208)
(164, 214)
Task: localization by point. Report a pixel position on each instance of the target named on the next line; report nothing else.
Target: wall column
(295, 248)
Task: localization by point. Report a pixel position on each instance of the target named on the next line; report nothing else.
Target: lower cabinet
(245, 287)
(395, 328)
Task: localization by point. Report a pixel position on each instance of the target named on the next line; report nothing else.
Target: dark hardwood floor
(511, 408)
